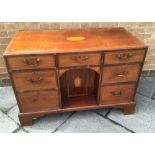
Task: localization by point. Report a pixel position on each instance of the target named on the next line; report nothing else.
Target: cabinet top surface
(62, 41)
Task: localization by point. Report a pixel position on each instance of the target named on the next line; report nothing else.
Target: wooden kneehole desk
(72, 70)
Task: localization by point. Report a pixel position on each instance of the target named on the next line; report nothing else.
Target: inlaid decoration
(77, 82)
(77, 38)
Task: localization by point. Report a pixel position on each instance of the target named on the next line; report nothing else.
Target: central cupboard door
(78, 82)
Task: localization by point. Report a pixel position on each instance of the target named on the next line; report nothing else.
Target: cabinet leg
(25, 120)
(129, 109)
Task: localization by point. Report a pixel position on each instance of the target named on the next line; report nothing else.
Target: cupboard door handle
(124, 56)
(31, 61)
(37, 79)
(80, 59)
(116, 93)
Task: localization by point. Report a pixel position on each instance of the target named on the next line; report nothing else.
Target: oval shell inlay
(77, 82)
(77, 38)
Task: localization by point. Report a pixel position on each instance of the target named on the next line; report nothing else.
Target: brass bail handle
(80, 59)
(124, 56)
(124, 73)
(35, 78)
(116, 93)
(32, 61)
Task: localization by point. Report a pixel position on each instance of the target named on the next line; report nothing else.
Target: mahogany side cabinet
(71, 70)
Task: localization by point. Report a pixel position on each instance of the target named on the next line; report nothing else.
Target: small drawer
(31, 62)
(117, 94)
(123, 73)
(79, 59)
(124, 56)
(38, 101)
(34, 80)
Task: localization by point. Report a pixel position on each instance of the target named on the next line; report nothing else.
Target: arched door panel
(78, 83)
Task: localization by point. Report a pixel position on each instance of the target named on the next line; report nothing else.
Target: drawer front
(124, 73)
(124, 57)
(79, 59)
(34, 80)
(117, 94)
(31, 62)
(38, 101)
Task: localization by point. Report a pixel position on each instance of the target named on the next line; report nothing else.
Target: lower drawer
(38, 101)
(117, 94)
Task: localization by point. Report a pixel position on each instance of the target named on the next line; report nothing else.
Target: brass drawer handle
(80, 59)
(31, 61)
(116, 93)
(124, 56)
(36, 79)
(123, 74)
(34, 100)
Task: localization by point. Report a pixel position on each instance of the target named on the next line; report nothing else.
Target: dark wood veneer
(74, 70)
